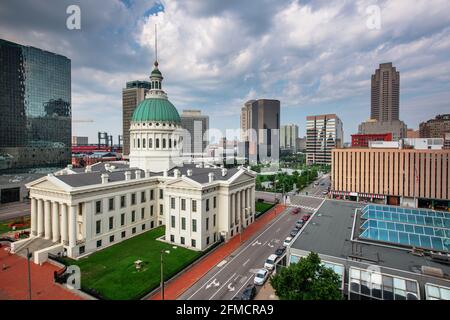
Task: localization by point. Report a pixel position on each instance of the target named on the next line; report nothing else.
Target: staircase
(33, 245)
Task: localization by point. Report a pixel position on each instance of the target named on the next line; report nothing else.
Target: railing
(60, 276)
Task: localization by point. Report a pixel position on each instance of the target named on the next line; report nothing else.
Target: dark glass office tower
(35, 107)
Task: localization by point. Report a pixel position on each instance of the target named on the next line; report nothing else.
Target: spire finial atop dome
(156, 46)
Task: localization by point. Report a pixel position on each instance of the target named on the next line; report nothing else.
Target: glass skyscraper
(35, 107)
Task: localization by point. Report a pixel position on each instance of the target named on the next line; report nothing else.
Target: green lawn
(4, 225)
(262, 207)
(112, 273)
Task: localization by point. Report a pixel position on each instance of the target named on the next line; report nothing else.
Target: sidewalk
(177, 286)
(266, 293)
(14, 280)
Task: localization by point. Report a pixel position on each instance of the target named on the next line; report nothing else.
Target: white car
(287, 241)
(270, 262)
(261, 277)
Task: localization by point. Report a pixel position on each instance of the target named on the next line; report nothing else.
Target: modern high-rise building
(435, 128)
(35, 107)
(323, 133)
(260, 125)
(132, 95)
(385, 104)
(385, 93)
(288, 138)
(195, 139)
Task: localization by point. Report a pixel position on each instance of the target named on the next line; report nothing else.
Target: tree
(308, 279)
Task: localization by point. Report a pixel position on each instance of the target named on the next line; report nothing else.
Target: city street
(229, 277)
(317, 191)
(14, 210)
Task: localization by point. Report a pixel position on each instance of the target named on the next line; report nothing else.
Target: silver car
(261, 277)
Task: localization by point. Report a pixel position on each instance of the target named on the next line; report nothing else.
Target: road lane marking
(218, 290)
(243, 249)
(221, 263)
(246, 261)
(239, 290)
(214, 283)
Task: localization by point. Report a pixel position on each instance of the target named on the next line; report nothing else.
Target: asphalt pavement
(14, 210)
(230, 276)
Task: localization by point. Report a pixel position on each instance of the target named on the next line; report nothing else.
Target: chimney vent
(105, 178)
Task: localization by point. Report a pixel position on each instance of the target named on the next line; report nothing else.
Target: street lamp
(29, 273)
(162, 272)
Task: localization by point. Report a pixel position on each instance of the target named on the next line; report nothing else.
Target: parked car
(261, 277)
(296, 211)
(306, 217)
(316, 184)
(270, 262)
(280, 251)
(325, 192)
(294, 232)
(299, 224)
(249, 293)
(287, 241)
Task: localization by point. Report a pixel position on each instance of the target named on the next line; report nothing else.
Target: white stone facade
(89, 218)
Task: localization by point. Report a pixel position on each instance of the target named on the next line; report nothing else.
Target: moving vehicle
(280, 251)
(325, 192)
(287, 241)
(270, 262)
(261, 277)
(306, 217)
(295, 211)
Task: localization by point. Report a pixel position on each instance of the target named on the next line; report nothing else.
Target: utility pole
(29, 273)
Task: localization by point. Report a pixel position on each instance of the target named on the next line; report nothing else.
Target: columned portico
(48, 221)
(64, 225)
(33, 217)
(40, 213)
(55, 221)
(72, 226)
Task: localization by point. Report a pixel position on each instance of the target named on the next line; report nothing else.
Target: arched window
(164, 143)
(174, 143)
(157, 143)
(150, 143)
(143, 143)
(170, 143)
(139, 143)
(134, 143)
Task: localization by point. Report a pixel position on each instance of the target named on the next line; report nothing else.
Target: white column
(48, 220)
(233, 204)
(33, 216)
(247, 209)
(64, 231)
(55, 221)
(72, 226)
(238, 211)
(253, 200)
(40, 222)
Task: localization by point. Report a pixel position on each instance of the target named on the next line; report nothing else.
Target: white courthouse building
(79, 211)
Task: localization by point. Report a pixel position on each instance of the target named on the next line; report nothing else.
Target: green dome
(156, 72)
(154, 109)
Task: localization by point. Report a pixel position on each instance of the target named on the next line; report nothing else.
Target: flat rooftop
(329, 232)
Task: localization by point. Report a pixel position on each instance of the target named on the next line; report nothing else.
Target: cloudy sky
(315, 56)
